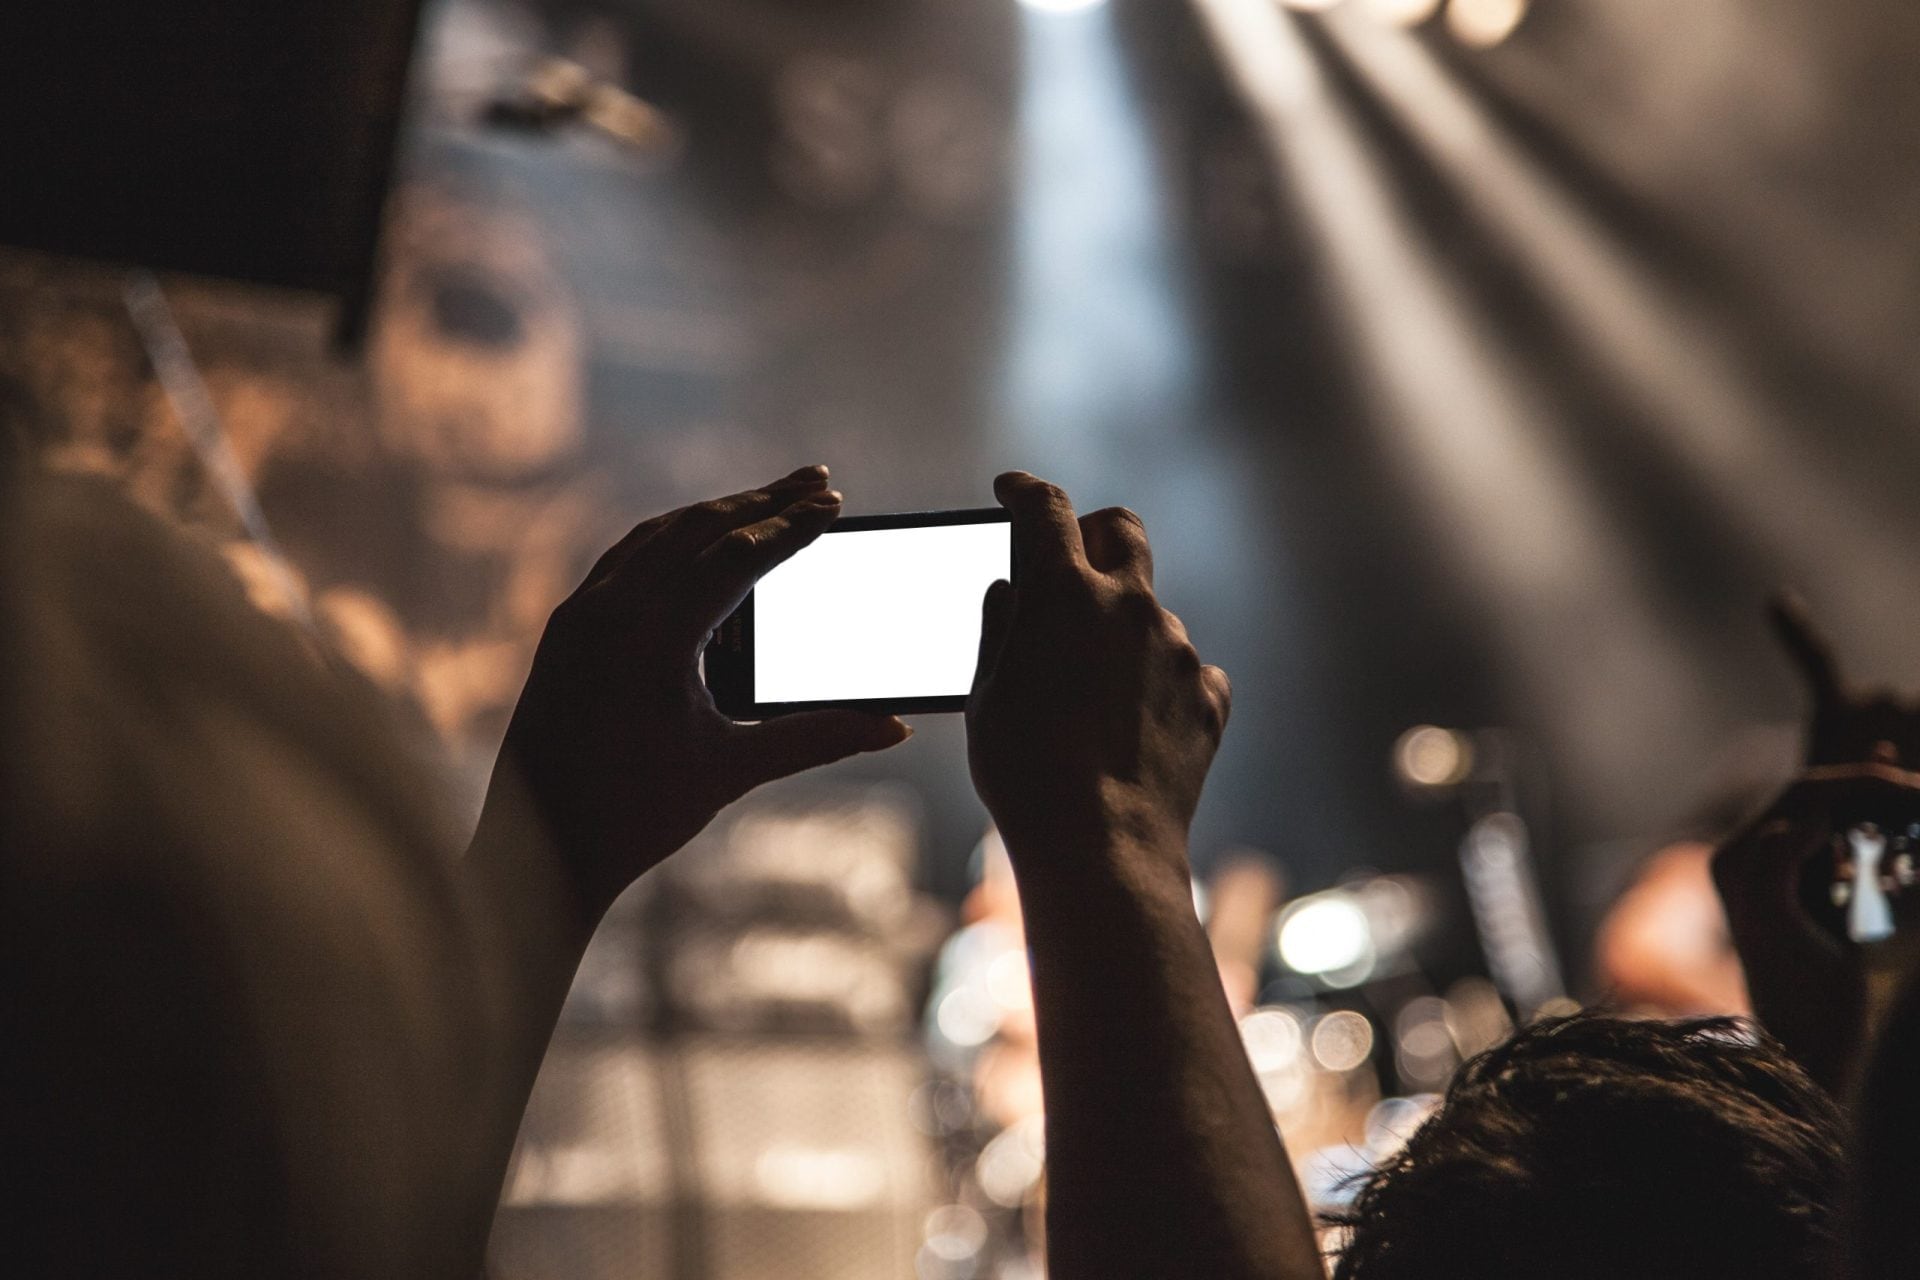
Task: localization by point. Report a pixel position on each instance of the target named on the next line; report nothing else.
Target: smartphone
(880, 613)
(1872, 876)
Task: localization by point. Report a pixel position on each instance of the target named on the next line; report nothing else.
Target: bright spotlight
(1426, 756)
(1325, 933)
(1485, 23)
(1062, 6)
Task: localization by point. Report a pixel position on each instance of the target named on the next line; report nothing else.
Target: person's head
(1593, 1147)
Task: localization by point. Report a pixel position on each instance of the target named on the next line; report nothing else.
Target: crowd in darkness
(264, 1017)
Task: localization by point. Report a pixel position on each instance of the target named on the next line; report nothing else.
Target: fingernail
(831, 498)
(816, 474)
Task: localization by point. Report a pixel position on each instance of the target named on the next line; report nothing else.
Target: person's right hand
(1092, 720)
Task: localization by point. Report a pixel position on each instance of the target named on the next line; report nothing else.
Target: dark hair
(1596, 1147)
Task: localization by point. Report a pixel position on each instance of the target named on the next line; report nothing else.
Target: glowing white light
(1342, 1040)
(1286, 1092)
(1485, 23)
(797, 1177)
(1273, 1039)
(1325, 933)
(967, 1017)
(1431, 757)
(955, 1233)
(1010, 1166)
(1062, 6)
(1405, 13)
(1008, 982)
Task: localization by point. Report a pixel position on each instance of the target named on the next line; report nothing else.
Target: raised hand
(1848, 727)
(1090, 730)
(616, 743)
(1812, 986)
(1091, 712)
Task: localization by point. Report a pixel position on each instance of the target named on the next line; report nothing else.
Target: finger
(1175, 627)
(996, 621)
(1220, 692)
(787, 745)
(1116, 544)
(1046, 535)
(691, 530)
(721, 576)
(1762, 856)
(1794, 626)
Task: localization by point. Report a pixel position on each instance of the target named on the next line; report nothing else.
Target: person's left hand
(616, 741)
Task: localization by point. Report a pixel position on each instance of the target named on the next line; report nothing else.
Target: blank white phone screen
(877, 613)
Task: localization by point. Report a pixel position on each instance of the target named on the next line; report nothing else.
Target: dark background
(1481, 387)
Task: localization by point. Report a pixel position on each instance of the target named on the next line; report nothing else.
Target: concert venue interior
(1478, 368)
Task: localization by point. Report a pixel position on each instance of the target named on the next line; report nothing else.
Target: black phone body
(880, 613)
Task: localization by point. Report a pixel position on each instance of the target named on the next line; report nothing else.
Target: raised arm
(1090, 731)
(1820, 993)
(616, 755)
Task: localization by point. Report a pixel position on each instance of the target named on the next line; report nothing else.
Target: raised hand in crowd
(1091, 727)
(616, 755)
(1820, 992)
(616, 745)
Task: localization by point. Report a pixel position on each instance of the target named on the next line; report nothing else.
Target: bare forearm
(530, 925)
(1162, 1156)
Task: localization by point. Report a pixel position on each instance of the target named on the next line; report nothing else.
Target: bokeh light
(1325, 933)
(1273, 1039)
(1405, 13)
(1342, 1040)
(1485, 23)
(1428, 756)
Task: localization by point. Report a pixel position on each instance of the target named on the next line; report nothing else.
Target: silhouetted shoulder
(220, 874)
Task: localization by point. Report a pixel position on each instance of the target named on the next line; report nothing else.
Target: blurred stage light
(1010, 1166)
(1272, 1038)
(799, 1176)
(1393, 1120)
(1325, 934)
(1485, 23)
(1426, 756)
(967, 1017)
(1342, 1040)
(955, 1233)
(1009, 983)
(1424, 1052)
(1509, 503)
(1062, 6)
(1404, 13)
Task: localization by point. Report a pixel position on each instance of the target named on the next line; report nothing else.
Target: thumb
(996, 620)
(787, 745)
